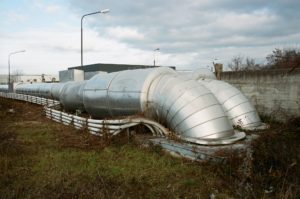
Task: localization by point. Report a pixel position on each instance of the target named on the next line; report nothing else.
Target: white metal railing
(97, 127)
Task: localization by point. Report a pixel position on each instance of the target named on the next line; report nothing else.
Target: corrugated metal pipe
(187, 107)
(236, 105)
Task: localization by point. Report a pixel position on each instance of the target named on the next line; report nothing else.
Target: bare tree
(238, 63)
(283, 58)
(251, 65)
(288, 58)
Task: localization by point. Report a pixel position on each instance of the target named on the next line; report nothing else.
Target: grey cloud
(193, 25)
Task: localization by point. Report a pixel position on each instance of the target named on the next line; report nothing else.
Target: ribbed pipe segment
(236, 105)
(188, 108)
(71, 95)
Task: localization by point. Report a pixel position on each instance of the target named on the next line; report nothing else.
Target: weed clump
(276, 170)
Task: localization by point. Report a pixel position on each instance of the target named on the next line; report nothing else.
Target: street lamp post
(10, 54)
(157, 49)
(92, 13)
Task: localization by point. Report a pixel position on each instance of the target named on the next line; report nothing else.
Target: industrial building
(79, 73)
(109, 68)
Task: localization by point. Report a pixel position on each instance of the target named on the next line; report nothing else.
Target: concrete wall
(274, 93)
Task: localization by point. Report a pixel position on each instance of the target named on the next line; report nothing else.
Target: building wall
(89, 75)
(71, 75)
(274, 93)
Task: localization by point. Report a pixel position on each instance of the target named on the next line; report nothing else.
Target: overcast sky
(189, 33)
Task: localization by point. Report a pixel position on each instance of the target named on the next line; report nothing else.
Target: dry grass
(276, 161)
(43, 159)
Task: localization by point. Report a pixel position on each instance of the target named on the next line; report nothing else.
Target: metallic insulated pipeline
(201, 73)
(4, 88)
(235, 104)
(71, 95)
(238, 108)
(56, 90)
(188, 108)
(182, 104)
(37, 89)
(114, 94)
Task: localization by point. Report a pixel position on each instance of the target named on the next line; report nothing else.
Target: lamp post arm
(81, 33)
(92, 13)
(81, 38)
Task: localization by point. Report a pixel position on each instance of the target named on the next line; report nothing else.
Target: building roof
(111, 67)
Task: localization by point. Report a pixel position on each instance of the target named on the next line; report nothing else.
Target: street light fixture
(92, 13)
(10, 54)
(157, 49)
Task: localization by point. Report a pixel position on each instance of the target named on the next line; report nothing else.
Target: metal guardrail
(97, 127)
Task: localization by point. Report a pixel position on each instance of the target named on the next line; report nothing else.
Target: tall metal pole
(21, 51)
(81, 43)
(92, 13)
(8, 82)
(157, 49)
